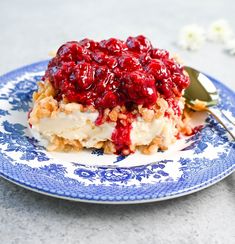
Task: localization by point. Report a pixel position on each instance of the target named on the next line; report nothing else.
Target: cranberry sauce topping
(196, 129)
(113, 72)
(121, 137)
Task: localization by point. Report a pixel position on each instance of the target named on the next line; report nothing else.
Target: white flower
(220, 31)
(191, 37)
(230, 46)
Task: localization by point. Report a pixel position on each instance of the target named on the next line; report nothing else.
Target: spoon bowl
(202, 95)
(201, 88)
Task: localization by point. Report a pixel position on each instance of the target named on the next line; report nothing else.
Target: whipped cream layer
(81, 126)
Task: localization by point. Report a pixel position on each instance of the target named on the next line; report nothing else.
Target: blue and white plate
(191, 164)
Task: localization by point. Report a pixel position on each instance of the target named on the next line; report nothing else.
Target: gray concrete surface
(29, 30)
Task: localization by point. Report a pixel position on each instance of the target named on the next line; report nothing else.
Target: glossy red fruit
(165, 87)
(128, 63)
(88, 44)
(108, 100)
(158, 69)
(140, 88)
(112, 45)
(138, 44)
(159, 53)
(71, 51)
(84, 75)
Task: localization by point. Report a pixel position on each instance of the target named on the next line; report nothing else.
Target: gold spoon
(202, 95)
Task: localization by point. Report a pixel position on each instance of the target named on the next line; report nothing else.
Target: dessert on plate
(116, 95)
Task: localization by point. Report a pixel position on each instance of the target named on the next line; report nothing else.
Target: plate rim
(195, 189)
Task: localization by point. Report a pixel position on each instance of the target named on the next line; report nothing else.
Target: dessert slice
(113, 94)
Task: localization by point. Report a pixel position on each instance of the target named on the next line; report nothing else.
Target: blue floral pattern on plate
(202, 160)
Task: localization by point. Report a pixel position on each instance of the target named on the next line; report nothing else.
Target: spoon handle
(221, 119)
(228, 117)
